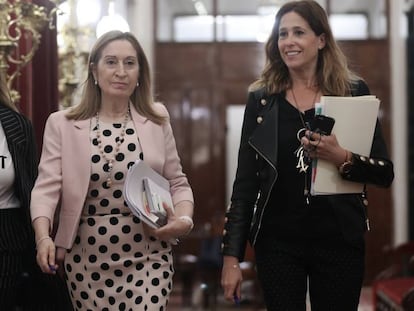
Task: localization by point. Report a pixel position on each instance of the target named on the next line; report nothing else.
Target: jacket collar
(136, 117)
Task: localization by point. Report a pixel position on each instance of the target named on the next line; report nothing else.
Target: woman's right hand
(46, 252)
(46, 249)
(231, 278)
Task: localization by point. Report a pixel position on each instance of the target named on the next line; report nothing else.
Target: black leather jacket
(257, 173)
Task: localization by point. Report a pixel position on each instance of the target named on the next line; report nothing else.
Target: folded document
(146, 192)
(355, 120)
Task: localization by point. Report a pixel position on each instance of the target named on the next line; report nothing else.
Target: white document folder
(138, 198)
(355, 120)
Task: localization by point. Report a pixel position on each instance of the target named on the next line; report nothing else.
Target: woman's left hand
(325, 147)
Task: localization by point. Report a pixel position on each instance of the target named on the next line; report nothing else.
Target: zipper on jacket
(367, 224)
(365, 209)
(268, 193)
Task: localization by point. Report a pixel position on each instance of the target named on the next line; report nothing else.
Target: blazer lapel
(14, 132)
(81, 151)
(143, 136)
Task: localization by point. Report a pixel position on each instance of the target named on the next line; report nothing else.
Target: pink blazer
(64, 169)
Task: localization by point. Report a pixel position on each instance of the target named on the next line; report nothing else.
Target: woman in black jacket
(22, 285)
(302, 242)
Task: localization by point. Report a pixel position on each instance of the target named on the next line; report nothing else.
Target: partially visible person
(302, 243)
(111, 259)
(20, 278)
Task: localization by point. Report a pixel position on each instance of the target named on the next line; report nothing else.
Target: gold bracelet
(42, 239)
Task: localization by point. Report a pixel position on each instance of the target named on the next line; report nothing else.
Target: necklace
(119, 140)
(301, 154)
(297, 106)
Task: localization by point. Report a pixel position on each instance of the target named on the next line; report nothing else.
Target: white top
(7, 197)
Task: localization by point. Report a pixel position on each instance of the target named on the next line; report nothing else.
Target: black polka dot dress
(113, 265)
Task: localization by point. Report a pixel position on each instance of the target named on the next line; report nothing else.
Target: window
(252, 20)
(349, 26)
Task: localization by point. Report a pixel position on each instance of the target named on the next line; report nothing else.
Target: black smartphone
(322, 124)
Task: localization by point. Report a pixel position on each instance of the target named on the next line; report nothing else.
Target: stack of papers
(146, 192)
(355, 120)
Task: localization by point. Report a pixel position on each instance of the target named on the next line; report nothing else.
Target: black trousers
(23, 286)
(331, 271)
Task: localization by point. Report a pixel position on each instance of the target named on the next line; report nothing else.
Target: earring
(137, 84)
(96, 82)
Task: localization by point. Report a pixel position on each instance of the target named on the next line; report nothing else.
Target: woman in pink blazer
(110, 259)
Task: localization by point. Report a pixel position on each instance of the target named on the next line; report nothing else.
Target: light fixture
(112, 21)
(200, 7)
(88, 12)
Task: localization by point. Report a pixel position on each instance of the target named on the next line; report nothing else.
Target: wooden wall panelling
(185, 83)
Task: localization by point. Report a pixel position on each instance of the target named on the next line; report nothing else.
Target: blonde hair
(141, 98)
(332, 73)
(5, 98)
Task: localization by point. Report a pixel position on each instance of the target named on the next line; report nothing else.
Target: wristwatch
(345, 168)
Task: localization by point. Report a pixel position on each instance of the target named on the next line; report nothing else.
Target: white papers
(146, 201)
(355, 119)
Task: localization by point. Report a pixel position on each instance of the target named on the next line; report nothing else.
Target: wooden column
(44, 90)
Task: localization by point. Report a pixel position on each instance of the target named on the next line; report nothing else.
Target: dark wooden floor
(201, 300)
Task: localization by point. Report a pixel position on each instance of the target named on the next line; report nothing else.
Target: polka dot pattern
(113, 265)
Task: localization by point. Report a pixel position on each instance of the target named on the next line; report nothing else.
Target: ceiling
(250, 6)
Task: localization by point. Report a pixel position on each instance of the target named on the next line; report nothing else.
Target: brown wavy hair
(332, 73)
(141, 98)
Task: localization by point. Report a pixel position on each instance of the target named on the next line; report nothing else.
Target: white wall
(399, 129)
(140, 17)
(234, 120)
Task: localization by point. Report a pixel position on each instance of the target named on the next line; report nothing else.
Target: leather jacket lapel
(267, 131)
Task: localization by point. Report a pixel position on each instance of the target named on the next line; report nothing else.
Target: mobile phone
(322, 124)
